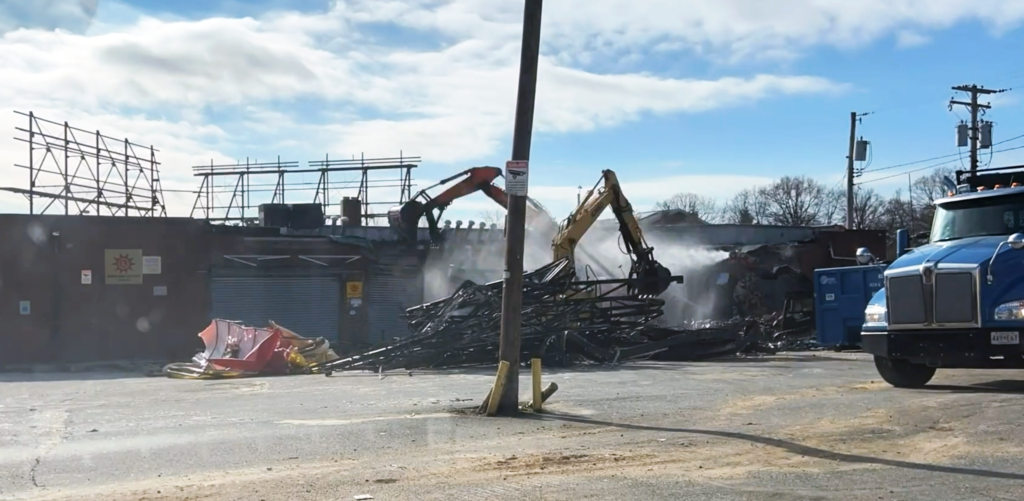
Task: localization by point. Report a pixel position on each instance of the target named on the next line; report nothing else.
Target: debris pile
(236, 350)
(563, 322)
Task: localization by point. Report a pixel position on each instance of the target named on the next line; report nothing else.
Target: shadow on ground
(788, 446)
(779, 362)
(1002, 386)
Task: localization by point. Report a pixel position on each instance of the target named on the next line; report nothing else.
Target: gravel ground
(802, 426)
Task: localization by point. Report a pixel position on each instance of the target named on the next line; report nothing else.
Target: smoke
(691, 300)
(687, 301)
(480, 256)
(435, 279)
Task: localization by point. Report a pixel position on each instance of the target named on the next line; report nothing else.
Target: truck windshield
(999, 215)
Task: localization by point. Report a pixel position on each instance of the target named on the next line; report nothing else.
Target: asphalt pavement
(803, 426)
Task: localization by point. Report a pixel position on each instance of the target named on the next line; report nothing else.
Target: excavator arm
(651, 278)
(406, 218)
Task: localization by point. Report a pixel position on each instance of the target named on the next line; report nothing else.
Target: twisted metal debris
(564, 322)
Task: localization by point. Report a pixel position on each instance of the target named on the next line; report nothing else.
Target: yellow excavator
(648, 277)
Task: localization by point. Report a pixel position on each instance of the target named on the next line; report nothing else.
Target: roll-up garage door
(391, 290)
(310, 306)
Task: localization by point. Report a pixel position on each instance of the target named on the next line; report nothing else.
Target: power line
(901, 174)
(933, 166)
(915, 162)
(839, 182)
(1009, 149)
(1008, 140)
(957, 154)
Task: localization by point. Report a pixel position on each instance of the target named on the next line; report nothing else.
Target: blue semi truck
(956, 301)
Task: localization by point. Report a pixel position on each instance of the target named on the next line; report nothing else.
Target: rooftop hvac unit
(275, 215)
(306, 217)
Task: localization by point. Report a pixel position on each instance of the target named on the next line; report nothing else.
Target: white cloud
(732, 29)
(907, 39)
(155, 81)
(1004, 100)
(214, 88)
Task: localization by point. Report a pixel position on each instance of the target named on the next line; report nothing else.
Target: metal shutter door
(307, 305)
(390, 292)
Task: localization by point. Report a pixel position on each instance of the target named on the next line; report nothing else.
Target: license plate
(1005, 338)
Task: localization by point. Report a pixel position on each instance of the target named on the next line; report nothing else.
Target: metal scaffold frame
(84, 172)
(242, 206)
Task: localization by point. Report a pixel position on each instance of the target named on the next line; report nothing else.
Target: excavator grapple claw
(652, 279)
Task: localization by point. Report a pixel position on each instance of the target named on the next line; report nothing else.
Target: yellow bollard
(498, 388)
(535, 369)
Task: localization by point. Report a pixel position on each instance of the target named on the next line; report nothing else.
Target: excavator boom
(406, 218)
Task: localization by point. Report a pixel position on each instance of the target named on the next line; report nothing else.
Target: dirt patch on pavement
(749, 404)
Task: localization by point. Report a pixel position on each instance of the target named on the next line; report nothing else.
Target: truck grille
(950, 299)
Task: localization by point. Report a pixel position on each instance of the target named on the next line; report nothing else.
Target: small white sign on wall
(151, 265)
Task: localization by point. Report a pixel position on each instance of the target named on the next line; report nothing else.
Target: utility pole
(857, 152)
(849, 171)
(910, 198)
(975, 91)
(516, 184)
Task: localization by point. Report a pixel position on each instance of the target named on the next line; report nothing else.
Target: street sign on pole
(517, 177)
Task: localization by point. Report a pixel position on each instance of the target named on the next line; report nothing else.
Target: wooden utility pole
(857, 150)
(910, 198)
(849, 171)
(516, 183)
(975, 108)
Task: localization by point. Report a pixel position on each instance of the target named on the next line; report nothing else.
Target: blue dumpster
(840, 296)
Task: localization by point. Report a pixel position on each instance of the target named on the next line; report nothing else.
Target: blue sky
(673, 95)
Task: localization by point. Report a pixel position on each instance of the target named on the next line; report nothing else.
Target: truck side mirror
(1016, 241)
(902, 242)
(864, 256)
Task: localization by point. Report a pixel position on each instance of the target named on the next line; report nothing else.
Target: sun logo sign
(123, 264)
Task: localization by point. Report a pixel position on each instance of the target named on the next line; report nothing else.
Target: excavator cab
(405, 219)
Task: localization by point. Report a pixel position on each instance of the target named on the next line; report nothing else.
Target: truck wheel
(903, 374)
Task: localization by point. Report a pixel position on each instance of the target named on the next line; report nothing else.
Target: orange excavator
(405, 219)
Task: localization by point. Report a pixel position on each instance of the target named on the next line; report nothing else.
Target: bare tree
(795, 201)
(869, 209)
(926, 190)
(703, 207)
(493, 216)
(898, 213)
(746, 207)
(833, 208)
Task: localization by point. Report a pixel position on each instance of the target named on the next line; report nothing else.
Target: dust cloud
(687, 301)
(599, 255)
(479, 255)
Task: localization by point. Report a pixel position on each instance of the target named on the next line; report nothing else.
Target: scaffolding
(244, 196)
(75, 171)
